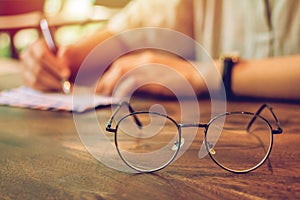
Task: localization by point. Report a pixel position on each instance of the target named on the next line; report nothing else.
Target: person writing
(265, 33)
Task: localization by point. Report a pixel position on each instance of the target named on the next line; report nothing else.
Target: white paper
(28, 98)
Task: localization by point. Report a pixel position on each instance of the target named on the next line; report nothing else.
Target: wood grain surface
(42, 157)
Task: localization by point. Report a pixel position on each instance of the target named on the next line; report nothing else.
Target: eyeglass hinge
(278, 131)
(109, 129)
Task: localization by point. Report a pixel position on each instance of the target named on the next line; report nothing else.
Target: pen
(66, 85)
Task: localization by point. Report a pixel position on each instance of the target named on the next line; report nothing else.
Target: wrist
(229, 61)
(207, 76)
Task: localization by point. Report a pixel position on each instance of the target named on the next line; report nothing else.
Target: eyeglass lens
(148, 147)
(235, 148)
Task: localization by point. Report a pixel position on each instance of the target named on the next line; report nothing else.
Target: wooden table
(42, 157)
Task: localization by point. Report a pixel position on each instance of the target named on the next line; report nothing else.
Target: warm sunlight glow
(77, 9)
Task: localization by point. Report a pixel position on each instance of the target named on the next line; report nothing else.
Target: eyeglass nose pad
(176, 144)
(211, 149)
(203, 150)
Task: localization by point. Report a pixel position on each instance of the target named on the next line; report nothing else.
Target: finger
(119, 69)
(139, 82)
(30, 69)
(34, 74)
(36, 71)
(30, 63)
(50, 82)
(66, 58)
(126, 88)
(109, 79)
(42, 55)
(46, 82)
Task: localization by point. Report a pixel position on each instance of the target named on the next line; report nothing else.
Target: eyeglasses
(238, 142)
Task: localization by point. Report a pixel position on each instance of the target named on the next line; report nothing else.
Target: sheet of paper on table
(25, 97)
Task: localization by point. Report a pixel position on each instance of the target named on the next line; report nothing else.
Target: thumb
(126, 88)
(64, 55)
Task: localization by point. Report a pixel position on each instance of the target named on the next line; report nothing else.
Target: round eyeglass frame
(152, 113)
(240, 113)
(199, 125)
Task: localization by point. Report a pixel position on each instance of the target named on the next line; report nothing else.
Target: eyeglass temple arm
(278, 131)
(262, 107)
(108, 125)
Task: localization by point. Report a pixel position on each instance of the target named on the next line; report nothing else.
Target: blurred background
(69, 20)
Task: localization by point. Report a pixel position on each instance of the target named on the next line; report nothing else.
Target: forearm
(76, 53)
(268, 78)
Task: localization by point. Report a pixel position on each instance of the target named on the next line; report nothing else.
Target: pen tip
(66, 86)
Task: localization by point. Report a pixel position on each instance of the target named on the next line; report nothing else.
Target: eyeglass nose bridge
(203, 148)
(189, 125)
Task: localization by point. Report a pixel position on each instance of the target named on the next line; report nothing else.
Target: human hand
(41, 69)
(151, 72)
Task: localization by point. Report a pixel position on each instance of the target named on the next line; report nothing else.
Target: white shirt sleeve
(145, 13)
